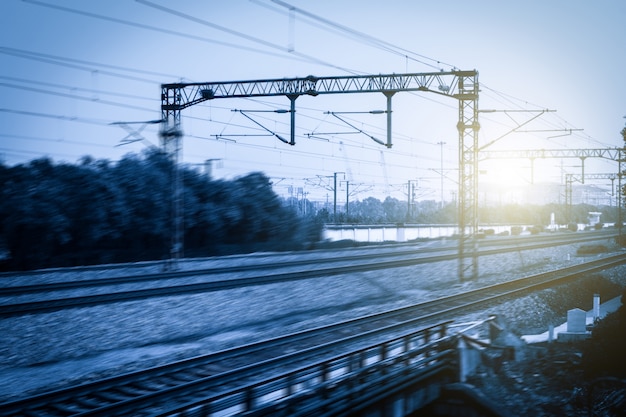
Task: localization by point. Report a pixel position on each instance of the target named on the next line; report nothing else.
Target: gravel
(48, 351)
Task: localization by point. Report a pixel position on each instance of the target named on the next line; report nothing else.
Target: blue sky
(70, 68)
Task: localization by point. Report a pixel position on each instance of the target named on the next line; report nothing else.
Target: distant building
(593, 218)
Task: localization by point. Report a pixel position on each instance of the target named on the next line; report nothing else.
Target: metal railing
(342, 382)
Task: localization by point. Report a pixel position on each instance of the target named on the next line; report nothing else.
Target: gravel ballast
(47, 351)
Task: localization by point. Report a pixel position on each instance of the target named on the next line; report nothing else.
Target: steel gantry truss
(614, 154)
(460, 85)
(570, 179)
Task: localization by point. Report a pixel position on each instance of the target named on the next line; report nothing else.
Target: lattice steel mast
(461, 85)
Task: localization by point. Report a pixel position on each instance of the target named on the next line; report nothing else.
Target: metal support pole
(410, 199)
(347, 197)
(619, 197)
(389, 94)
(569, 189)
(468, 127)
(292, 99)
(171, 142)
(441, 170)
(335, 198)
(582, 164)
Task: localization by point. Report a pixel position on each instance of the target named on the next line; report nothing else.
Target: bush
(591, 249)
(572, 227)
(516, 230)
(603, 354)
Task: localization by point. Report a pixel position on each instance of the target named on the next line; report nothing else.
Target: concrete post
(550, 333)
(596, 307)
(463, 360)
(468, 360)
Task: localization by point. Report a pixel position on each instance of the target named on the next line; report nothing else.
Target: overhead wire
(317, 155)
(337, 27)
(100, 122)
(152, 28)
(68, 62)
(354, 143)
(366, 38)
(54, 140)
(240, 34)
(379, 130)
(4, 151)
(75, 97)
(74, 88)
(521, 104)
(19, 51)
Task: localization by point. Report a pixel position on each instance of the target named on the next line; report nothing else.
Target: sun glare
(517, 172)
(505, 172)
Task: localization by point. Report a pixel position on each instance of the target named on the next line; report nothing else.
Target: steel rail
(465, 301)
(44, 306)
(50, 305)
(376, 250)
(381, 323)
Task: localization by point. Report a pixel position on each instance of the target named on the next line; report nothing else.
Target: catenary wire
(156, 29)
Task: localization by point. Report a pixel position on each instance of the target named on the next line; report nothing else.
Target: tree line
(393, 211)
(97, 211)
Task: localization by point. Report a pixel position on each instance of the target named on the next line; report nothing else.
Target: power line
(353, 144)
(151, 28)
(84, 62)
(99, 122)
(371, 40)
(41, 155)
(523, 104)
(74, 88)
(54, 140)
(241, 35)
(75, 97)
(66, 62)
(318, 155)
(69, 61)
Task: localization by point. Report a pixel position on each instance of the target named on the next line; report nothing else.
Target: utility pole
(410, 198)
(441, 172)
(347, 198)
(335, 196)
(171, 140)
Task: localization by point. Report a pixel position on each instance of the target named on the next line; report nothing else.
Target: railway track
(229, 276)
(174, 386)
(273, 257)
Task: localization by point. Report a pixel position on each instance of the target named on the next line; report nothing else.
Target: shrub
(591, 249)
(603, 354)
